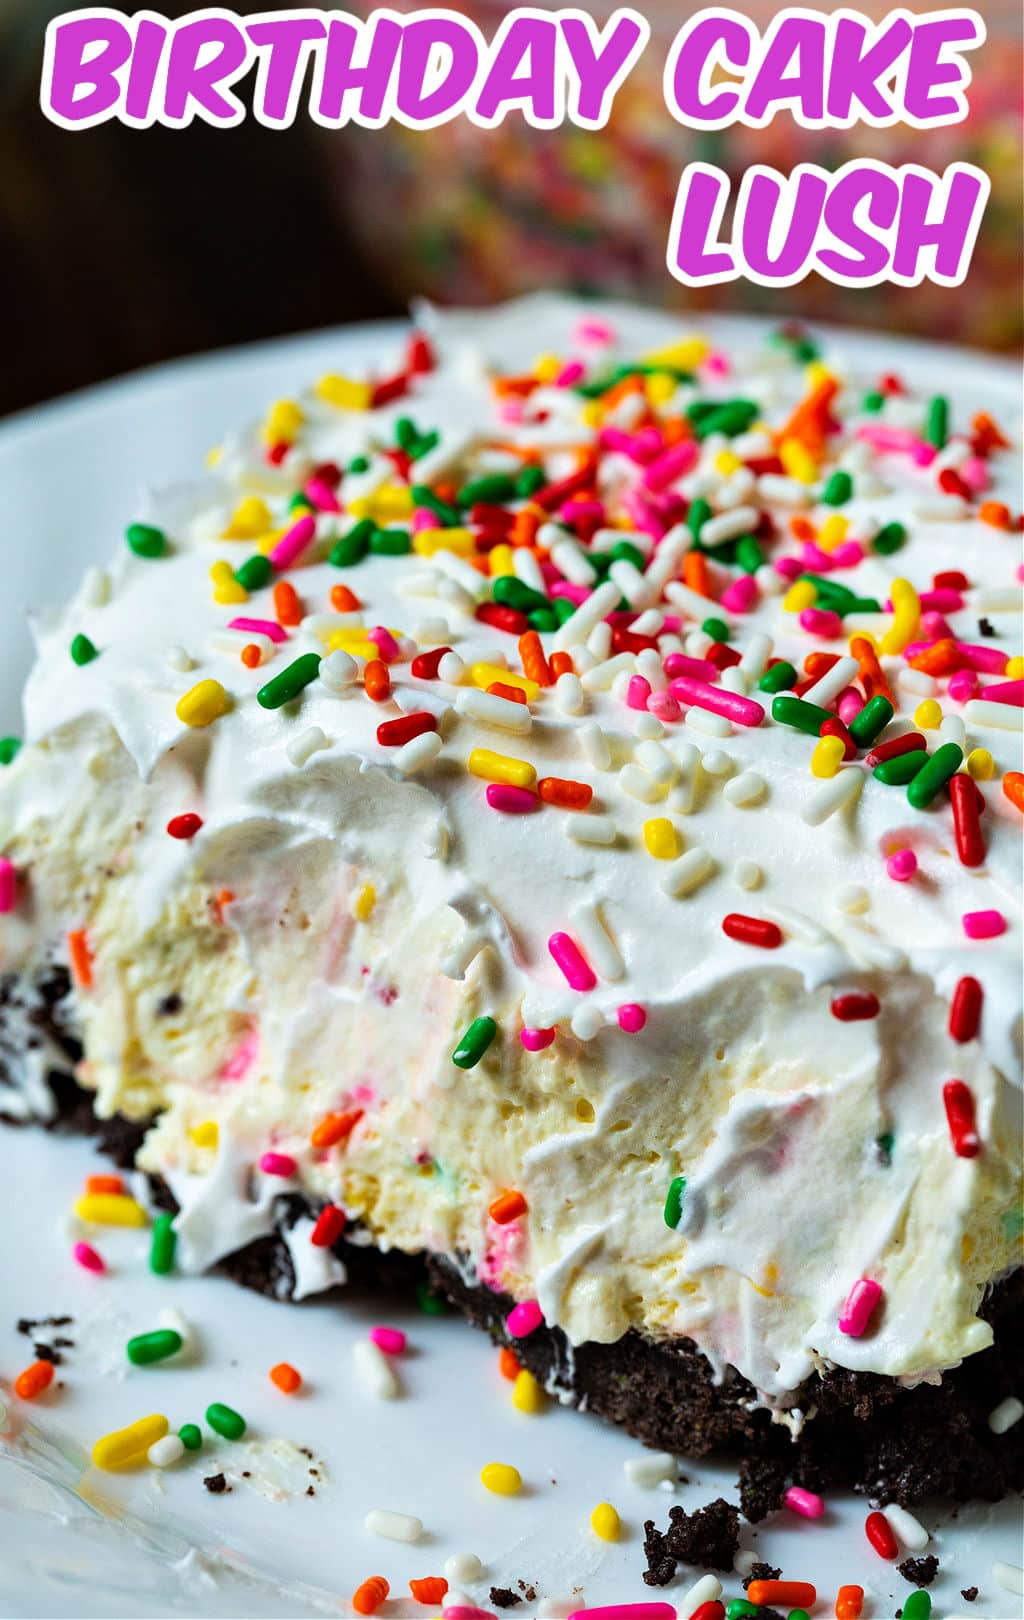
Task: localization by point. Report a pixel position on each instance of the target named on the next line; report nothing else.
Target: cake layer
(284, 984)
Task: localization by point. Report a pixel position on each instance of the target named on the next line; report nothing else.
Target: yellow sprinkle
(392, 500)
(906, 607)
(684, 355)
(282, 422)
(343, 393)
(605, 1522)
(501, 1478)
(267, 542)
(833, 531)
(249, 520)
(661, 838)
(501, 561)
(348, 641)
(547, 367)
(206, 1133)
(727, 462)
(428, 541)
(215, 456)
(798, 461)
(492, 767)
(131, 1444)
(221, 571)
(230, 593)
(364, 902)
(928, 715)
(801, 594)
(1014, 670)
(981, 765)
(827, 756)
(817, 372)
(110, 1209)
(527, 1394)
(592, 414)
(202, 703)
(660, 387)
(484, 675)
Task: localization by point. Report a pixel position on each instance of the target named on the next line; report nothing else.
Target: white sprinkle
(953, 730)
(527, 568)
(649, 665)
(1005, 1415)
(688, 872)
(324, 625)
(423, 583)
(501, 713)
(668, 556)
(684, 794)
(595, 747)
(769, 583)
(590, 612)
(605, 539)
(748, 874)
(697, 643)
(712, 725)
(551, 1608)
(568, 556)
(475, 585)
(393, 1526)
(173, 1319)
(943, 509)
(338, 671)
(466, 949)
(569, 693)
(587, 829)
(852, 898)
(599, 641)
(728, 525)
(783, 491)
(669, 642)
(587, 1022)
(796, 923)
(733, 679)
(843, 789)
(375, 1370)
(451, 668)
(620, 686)
(635, 587)
(1000, 599)
(688, 601)
(717, 762)
(917, 681)
(600, 678)
(744, 1561)
(178, 658)
(747, 788)
(650, 1468)
(417, 752)
(583, 659)
(460, 601)
(832, 682)
(1000, 716)
(706, 1590)
(232, 641)
(871, 624)
(656, 760)
(465, 1567)
(910, 1531)
(648, 727)
(866, 948)
(639, 784)
(95, 588)
(1009, 1576)
(649, 623)
(422, 699)
(165, 1451)
(595, 937)
(304, 746)
(431, 632)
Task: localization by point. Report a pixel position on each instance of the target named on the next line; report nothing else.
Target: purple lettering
(799, 41)
(599, 70)
(285, 41)
(190, 80)
(760, 230)
(696, 50)
(951, 231)
(422, 39)
(878, 196)
(856, 70)
(83, 83)
(926, 70)
(343, 75)
(700, 203)
(522, 73)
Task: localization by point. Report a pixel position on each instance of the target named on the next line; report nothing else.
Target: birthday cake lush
(545, 816)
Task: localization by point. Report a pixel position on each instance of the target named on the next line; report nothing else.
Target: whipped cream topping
(815, 1151)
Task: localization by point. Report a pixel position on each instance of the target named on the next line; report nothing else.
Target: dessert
(550, 809)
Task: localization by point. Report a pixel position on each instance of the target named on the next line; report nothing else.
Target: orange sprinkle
(524, 526)
(251, 655)
(286, 603)
(286, 1378)
(809, 420)
(1013, 787)
(368, 1597)
(377, 681)
(567, 795)
(561, 664)
(531, 653)
(431, 1589)
(995, 514)
(81, 958)
(987, 436)
(343, 600)
(697, 575)
(513, 694)
(508, 1365)
(508, 1206)
(335, 1128)
(849, 1602)
(104, 1184)
(801, 528)
(34, 1380)
(674, 429)
(818, 663)
(941, 658)
(798, 1594)
(447, 493)
(220, 901)
(872, 675)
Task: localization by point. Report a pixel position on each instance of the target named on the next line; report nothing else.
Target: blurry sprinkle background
(119, 248)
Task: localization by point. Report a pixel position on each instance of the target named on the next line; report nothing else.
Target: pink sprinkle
(974, 474)
(572, 593)
(986, 660)
(291, 545)
(718, 699)
(936, 627)
(812, 556)
(8, 885)
(260, 627)
(923, 454)
(887, 438)
(942, 600)
(859, 1307)
(741, 595)
(646, 446)
(716, 364)
(577, 511)
(849, 704)
(89, 1258)
(569, 374)
(664, 706)
(321, 495)
(901, 865)
(848, 555)
(638, 692)
(524, 1318)
(615, 438)
(963, 685)
(278, 1164)
(788, 567)
(672, 464)
(574, 965)
(632, 1017)
(385, 642)
(627, 1611)
(511, 410)
(806, 1503)
(511, 801)
(424, 518)
(467, 1611)
(983, 924)
(391, 1340)
(593, 332)
(535, 1040)
(702, 669)
(821, 622)
(1009, 692)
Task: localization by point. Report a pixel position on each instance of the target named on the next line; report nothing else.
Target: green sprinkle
(564, 609)
(493, 488)
(353, 546)
(798, 1614)
(430, 1302)
(938, 421)
(944, 763)
(697, 516)
(300, 503)
(674, 1201)
(512, 592)
(600, 561)
(626, 551)
(730, 417)
(917, 1607)
(830, 592)
(739, 1609)
(889, 538)
(777, 677)
(901, 770)
(359, 464)
(423, 495)
(406, 433)
(9, 749)
(163, 1244)
(225, 1421)
(749, 555)
(475, 1042)
(290, 682)
(871, 721)
(145, 541)
(83, 651)
(255, 572)
(717, 629)
(791, 711)
(838, 489)
(157, 1346)
(872, 403)
(543, 619)
(191, 1436)
(530, 480)
(390, 543)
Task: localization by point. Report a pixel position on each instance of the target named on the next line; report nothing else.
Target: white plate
(75, 1542)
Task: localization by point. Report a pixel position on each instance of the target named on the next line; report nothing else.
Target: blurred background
(119, 248)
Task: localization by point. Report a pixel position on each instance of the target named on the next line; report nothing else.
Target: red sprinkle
(855, 1005)
(951, 482)
(893, 749)
(965, 1009)
(503, 618)
(879, 1533)
(389, 388)
(713, 1610)
(970, 844)
(425, 665)
(722, 656)
(330, 1223)
(835, 728)
(185, 826)
(511, 694)
(752, 930)
(960, 1118)
(952, 580)
(393, 733)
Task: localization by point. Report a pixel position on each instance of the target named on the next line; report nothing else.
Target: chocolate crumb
(706, 1539)
(503, 1597)
(246, 1473)
(762, 1482)
(761, 1572)
(529, 1592)
(310, 1491)
(27, 1324)
(919, 1571)
(986, 628)
(969, 1593)
(216, 1484)
(46, 1352)
(168, 1005)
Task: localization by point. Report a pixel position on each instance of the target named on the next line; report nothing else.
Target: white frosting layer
(742, 1079)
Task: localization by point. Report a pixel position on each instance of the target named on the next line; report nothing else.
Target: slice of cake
(552, 807)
